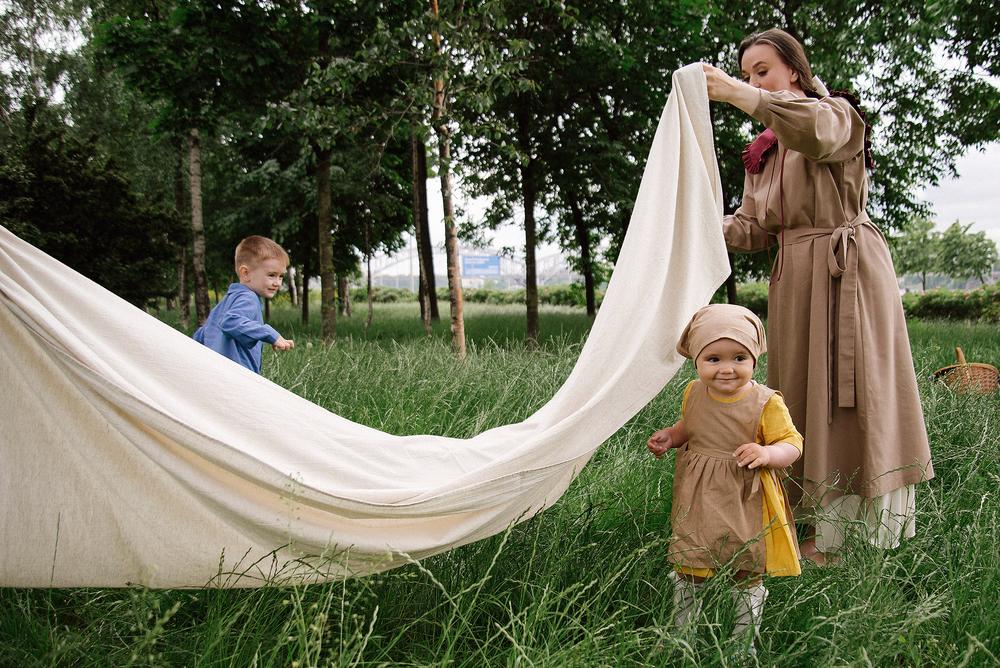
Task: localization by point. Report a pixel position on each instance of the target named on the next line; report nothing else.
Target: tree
(444, 69)
(916, 251)
(505, 164)
(973, 27)
(444, 63)
(60, 188)
(963, 254)
(64, 197)
(337, 111)
(35, 37)
(197, 62)
(608, 95)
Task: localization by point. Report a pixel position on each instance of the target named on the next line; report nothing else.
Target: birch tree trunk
(440, 124)
(293, 288)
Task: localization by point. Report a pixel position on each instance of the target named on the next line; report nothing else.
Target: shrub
(753, 296)
(980, 304)
(383, 295)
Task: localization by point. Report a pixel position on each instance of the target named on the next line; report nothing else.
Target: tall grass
(584, 583)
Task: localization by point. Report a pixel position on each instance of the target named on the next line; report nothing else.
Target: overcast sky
(972, 197)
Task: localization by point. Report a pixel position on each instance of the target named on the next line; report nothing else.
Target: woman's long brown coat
(838, 346)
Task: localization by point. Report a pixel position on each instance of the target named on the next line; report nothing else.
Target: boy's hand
(752, 455)
(283, 344)
(660, 442)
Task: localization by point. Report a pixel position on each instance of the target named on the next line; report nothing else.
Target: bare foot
(810, 552)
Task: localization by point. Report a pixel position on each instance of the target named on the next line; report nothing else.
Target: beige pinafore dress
(719, 508)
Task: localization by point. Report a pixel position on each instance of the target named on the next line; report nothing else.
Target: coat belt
(842, 261)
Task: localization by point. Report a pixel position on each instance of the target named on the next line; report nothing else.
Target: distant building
(482, 268)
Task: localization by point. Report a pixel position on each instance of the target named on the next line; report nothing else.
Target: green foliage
(962, 254)
(956, 252)
(916, 251)
(64, 197)
(383, 295)
(982, 304)
(753, 296)
(199, 62)
(34, 50)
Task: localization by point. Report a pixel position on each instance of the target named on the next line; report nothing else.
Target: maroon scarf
(756, 152)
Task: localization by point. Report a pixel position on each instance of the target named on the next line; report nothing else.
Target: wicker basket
(969, 376)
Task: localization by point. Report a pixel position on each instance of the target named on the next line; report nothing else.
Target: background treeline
(141, 139)
(982, 304)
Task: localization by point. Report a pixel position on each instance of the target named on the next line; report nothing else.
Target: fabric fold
(118, 465)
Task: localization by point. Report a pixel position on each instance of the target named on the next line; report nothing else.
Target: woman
(839, 348)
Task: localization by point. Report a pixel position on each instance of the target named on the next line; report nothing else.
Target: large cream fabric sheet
(119, 464)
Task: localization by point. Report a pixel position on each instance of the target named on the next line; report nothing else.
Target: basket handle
(959, 355)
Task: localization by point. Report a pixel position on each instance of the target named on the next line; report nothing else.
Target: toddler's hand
(660, 442)
(283, 344)
(752, 455)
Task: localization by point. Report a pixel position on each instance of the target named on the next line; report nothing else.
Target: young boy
(235, 327)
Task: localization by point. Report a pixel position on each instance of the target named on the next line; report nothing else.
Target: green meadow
(582, 584)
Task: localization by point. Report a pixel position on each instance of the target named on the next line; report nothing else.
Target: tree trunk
(368, 272)
(731, 283)
(293, 288)
(529, 195)
(327, 275)
(180, 203)
(197, 229)
(586, 263)
(426, 248)
(305, 294)
(423, 293)
(451, 246)
(440, 125)
(183, 305)
(267, 309)
(371, 300)
(344, 296)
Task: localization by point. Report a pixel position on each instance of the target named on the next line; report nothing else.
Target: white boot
(749, 603)
(687, 603)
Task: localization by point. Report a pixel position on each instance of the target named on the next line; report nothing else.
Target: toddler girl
(729, 507)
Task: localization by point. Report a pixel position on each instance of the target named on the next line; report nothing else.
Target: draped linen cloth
(119, 466)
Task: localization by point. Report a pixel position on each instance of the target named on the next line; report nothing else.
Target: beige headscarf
(723, 321)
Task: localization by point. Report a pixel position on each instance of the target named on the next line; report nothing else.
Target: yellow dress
(780, 544)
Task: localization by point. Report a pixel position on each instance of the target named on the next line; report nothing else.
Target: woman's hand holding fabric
(724, 88)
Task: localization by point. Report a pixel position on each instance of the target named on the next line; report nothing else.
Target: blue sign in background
(480, 265)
